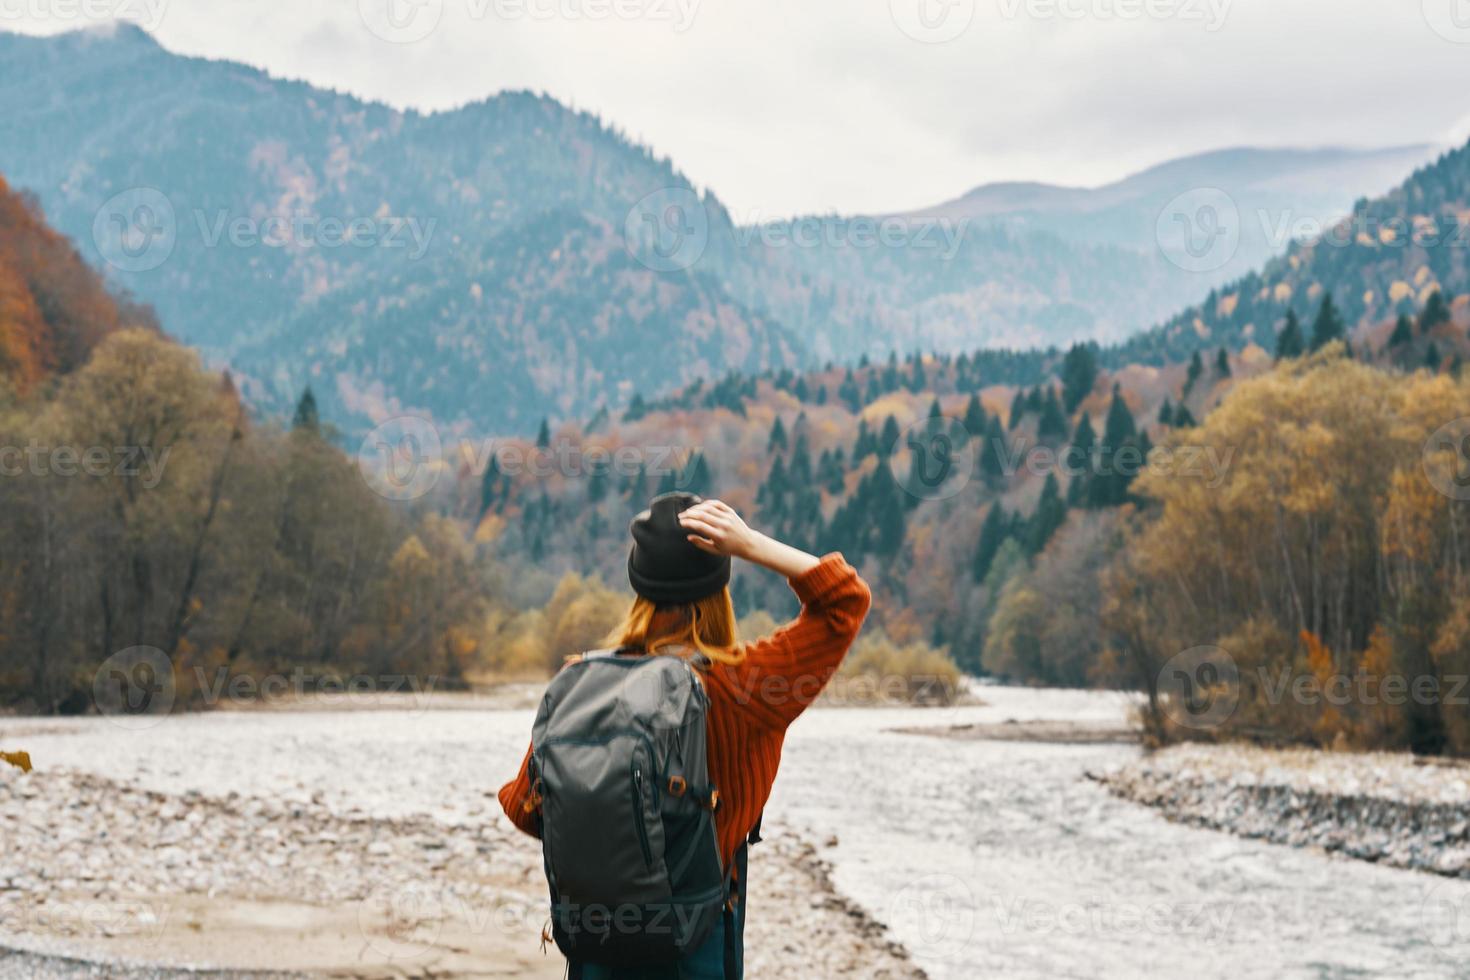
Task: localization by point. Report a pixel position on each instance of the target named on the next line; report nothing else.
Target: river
(985, 858)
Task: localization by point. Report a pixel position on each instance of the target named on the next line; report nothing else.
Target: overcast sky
(798, 106)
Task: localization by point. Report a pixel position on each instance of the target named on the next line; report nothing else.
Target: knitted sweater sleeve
(514, 797)
(779, 676)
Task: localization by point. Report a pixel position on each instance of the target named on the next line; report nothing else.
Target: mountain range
(513, 258)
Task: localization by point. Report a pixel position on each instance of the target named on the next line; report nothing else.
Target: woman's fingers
(700, 526)
(703, 544)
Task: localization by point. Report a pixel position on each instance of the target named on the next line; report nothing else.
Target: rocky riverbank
(102, 878)
(1391, 809)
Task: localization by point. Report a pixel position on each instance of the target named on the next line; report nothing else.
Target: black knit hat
(664, 566)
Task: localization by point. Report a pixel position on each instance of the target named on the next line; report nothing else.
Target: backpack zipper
(639, 819)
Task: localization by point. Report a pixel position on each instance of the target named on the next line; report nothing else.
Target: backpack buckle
(677, 786)
(533, 800)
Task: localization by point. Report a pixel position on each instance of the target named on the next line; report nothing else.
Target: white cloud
(785, 107)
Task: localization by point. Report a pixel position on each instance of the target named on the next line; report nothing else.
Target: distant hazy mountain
(472, 262)
(1385, 259)
(1276, 194)
(513, 258)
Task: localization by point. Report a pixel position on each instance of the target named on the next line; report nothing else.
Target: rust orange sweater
(754, 701)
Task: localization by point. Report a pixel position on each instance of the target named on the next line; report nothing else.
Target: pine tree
(543, 435)
(1050, 514)
(917, 378)
(489, 481)
(1053, 423)
(1079, 457)
(1079, 374)
(934, 410)
(1166, 413)
(1109, 487)
(1184, 418)
(306, 417)
(1436, 311)
(993, 534)
(890, 373)
(849, 393)
(1289, 342)
(1018, 409)
(597, 483)
(887, 510)
(1432, 358)
(777, 440)
(801, 391)
(1328, 325)
(636, 409)
(1403, 332)
(1222, 364)
(888, 439)
(1196, 368)
(993, 454)
(865, 445)
(975, 423)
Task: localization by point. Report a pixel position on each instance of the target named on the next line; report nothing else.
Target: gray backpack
(619, 768)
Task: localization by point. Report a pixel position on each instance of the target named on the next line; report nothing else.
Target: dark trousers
(719, 957)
